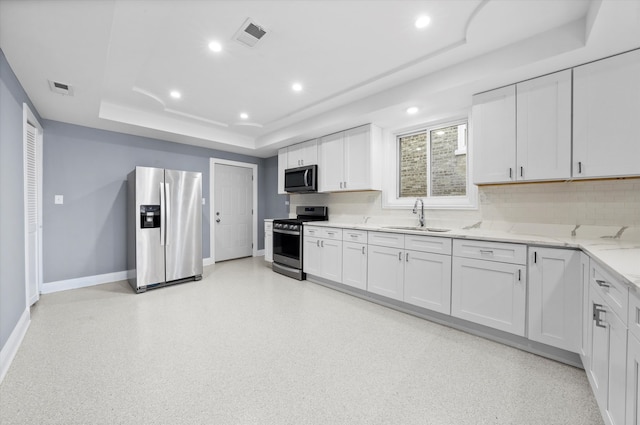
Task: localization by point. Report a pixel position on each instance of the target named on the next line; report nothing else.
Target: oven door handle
(287, 232)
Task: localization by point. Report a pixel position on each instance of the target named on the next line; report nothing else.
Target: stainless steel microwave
(301, 179)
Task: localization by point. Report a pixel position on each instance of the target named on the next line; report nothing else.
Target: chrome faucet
(415, 211)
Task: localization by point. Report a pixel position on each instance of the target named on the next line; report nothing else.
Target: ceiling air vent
(61, 88)
(250, 33)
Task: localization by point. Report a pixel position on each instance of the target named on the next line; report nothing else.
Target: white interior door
(33, 206)
(233, 212)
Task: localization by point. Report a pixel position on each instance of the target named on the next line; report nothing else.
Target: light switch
(58, 199)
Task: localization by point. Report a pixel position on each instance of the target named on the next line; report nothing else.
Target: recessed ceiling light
(175, 94)
(244, 115)
(296, 87)
(422, 21)
(412, 110)
(215, 46)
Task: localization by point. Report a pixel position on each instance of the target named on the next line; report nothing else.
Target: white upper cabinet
(494, 136)
(543, 142)
(522, 132)
(301, 154)
(350, 160)
(606, 109)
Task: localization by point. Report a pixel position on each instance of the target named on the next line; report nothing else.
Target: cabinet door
(489, 293)
(268, 246)
(331, 260)
(598, 371)
(543, 145)
(633, 381)
(312, 256)
(427, 280)
(606, 107)
(616, 397)
(493, 129)
(282, 165)
(354, 265)
(385, 269)
(555, 313)
(331, 163)
(586, 318)
(300, 154)
(357, 154)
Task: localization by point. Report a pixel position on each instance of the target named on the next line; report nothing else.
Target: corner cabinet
(522, 132)
(488, 284)
(606, 107)
(350, 160)
(555, 303)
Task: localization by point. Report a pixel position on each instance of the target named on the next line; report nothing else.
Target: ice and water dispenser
(149, 216)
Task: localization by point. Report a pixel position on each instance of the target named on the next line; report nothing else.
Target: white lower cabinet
(607, 344)
(354, 258)
(268, 240)
(385, 271)
(555, 304)
(419, 276)
(489, 292)
(427, 280)
(633, 381)
(322, 255)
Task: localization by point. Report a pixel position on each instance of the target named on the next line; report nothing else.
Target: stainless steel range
(287, 240)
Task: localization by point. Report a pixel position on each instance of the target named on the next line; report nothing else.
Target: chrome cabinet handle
(597, 309)
(510, 173)
(321, 244)
(579, 167)
(318, 243)
(602, 283)
(363, 250)
(340, 185)
(406, 258)
(345, 185)
(521, 171)
(400, 256)
(486, 252)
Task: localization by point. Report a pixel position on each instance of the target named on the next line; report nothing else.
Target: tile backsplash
(614, 202)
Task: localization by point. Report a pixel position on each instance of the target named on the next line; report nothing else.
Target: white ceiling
(359, 61)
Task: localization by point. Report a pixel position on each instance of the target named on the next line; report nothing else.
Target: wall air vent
(249, 33)
(61, 88)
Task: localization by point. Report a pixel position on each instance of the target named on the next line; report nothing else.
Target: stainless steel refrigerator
(164, 238)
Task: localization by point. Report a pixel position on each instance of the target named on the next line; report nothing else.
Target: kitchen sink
(421, 229)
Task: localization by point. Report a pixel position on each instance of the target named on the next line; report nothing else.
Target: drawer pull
(486, 252)
(318, 243)
(519, 275)
(597, 309)
(406, 258)
(602, 283)
(400, 256)
(363, 250)
(353, 235)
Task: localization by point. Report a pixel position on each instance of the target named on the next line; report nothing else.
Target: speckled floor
(248, 346)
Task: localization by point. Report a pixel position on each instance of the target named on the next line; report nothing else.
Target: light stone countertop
(619, 255)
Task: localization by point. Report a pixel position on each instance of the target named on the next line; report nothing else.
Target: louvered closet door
(31, 182)
(32, 159)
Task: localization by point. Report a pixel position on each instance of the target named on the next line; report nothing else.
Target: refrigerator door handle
(168, 209)
(163, 218)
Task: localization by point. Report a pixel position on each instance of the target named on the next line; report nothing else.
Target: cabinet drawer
(634, 314)
(351, 235)
(312, 231)
(331, 233)
(392, 240)
(491, 251)
(615, 293)
(432, 244)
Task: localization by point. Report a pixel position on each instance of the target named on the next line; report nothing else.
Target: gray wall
(12, 278)
(275, 204)
(86, 235)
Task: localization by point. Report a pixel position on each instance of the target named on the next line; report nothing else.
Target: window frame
(391, 186)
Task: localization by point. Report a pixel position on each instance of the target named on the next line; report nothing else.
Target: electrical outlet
(58, 199)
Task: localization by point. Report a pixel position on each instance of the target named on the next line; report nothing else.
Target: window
(432, 163)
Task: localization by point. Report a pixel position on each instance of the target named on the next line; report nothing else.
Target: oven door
(287, 248)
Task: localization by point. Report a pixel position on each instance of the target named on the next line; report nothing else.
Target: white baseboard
(260, 253)
(208, 261)
(13, 343)
(83, 282)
